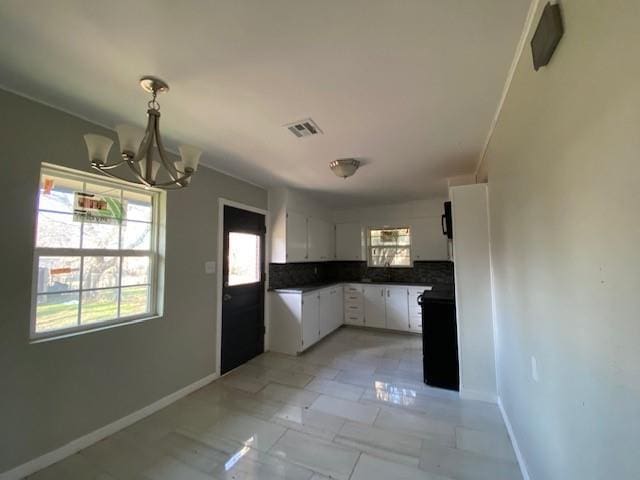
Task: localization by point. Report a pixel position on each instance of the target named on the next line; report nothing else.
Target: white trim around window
(91, 276)
(399, 252)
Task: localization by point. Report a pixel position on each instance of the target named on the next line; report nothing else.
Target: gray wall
(54, 392)
(564, 188)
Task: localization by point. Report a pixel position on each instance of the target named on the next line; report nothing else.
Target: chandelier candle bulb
(130, 138)
(98, 147)
(190, 157)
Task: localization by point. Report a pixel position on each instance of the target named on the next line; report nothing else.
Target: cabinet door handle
(382, 293)
(388, 293)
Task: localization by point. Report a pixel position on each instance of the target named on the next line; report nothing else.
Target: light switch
(534, 369)
(210, 267)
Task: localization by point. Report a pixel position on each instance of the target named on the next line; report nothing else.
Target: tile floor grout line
(355, 465)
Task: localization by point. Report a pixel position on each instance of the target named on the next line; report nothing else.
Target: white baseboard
(514, 442)
(89, 439)
(467, 394)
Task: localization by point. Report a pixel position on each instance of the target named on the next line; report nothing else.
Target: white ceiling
(408, 86)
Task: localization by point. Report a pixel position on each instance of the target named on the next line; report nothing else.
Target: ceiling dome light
(344, 167)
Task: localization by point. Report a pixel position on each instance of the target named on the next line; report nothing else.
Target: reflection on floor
(353, 407)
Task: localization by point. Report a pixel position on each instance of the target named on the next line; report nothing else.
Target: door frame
(224, 202)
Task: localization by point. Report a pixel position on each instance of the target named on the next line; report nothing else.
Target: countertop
(435, 293)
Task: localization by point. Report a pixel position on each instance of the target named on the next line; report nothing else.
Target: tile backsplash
(285, 275)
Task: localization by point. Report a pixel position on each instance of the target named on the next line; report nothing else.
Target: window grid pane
(68, 297)
(390, 247)
(57, 311)
(79, 288)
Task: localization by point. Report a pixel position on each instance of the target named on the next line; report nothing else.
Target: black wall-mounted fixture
(547, 36)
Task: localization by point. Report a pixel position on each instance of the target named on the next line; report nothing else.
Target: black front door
(243, 287)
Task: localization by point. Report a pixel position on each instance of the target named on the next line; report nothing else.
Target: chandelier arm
(111, 166)
(177, 182)
(170, 186)
(113, 175)
(171, 170)
(137, 172)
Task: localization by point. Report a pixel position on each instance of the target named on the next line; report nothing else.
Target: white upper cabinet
(298, 229)
(427, 240)
(397, 308)
(349, 244)
(297, 233)
(320, 240)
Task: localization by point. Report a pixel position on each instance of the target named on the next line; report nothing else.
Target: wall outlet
(210, 267)
(534, 369)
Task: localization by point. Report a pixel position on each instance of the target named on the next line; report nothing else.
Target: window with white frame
(96, 253)
(389, 247)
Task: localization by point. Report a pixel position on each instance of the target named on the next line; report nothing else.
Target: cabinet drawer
(354, 318)
(353, 308)
(353, 289)
(353, 298)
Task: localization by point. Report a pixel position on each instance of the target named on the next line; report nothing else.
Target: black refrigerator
(439, 342)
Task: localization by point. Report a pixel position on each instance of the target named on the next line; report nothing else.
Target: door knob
(226, 297)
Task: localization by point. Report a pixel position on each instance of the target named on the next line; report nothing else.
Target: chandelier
(142, 151)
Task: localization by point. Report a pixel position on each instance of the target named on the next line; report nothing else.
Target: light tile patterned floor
(353, 407)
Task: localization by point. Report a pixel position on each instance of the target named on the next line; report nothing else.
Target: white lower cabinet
(311, 319)
(374, 306)
(397, 308)
(393, 307)
(299, 320)
(326, 312)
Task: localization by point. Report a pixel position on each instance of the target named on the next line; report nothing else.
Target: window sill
(98, 328)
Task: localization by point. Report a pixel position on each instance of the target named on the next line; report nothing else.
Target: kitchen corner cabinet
(296, 237)
(299, 320)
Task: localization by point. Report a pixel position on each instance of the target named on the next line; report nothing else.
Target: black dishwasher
(439, 342)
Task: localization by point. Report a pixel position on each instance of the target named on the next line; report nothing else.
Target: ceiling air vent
(304, 128)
